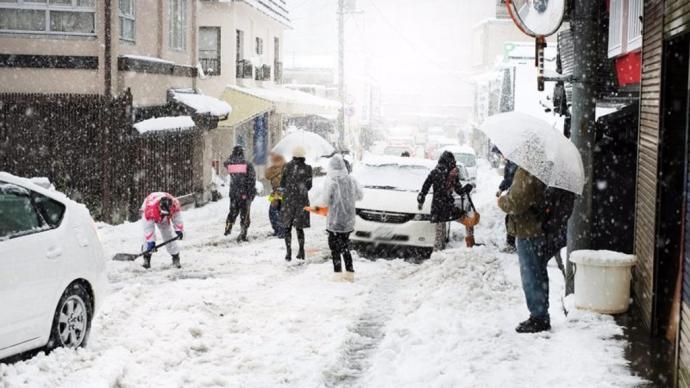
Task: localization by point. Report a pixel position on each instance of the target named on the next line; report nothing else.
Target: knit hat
(298, 152)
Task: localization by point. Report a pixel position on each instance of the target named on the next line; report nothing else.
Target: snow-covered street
(238, 315)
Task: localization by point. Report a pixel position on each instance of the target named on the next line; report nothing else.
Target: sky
(412, 48)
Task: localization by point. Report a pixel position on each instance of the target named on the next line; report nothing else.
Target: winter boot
(534, 325)
(300, 239)
(176, 261)
(243, 235)
(288, 247)
(147, 261)
(469, 241)
(228, 228)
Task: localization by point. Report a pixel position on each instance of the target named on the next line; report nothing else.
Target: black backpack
(556, 211)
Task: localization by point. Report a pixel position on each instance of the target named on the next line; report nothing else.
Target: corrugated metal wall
(646, 196)
(677, 17)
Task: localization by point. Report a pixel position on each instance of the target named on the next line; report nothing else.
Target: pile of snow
(164, 124)
(602, 258)
(203, 104)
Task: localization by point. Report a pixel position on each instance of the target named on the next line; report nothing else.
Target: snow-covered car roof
(27, 183)
(380, 160)
(459, 149)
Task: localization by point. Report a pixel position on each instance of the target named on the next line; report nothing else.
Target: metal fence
(86, 146)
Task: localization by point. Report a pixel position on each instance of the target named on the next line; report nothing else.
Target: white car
(52, 268)
(388, 216)
(466, 156)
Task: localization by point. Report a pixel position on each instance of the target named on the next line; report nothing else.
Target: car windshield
(392, 176)
(395, 150)
(467, 160)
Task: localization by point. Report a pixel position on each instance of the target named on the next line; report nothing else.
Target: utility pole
(584, 24)
(341, 73)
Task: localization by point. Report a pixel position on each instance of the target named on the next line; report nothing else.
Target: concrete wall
(151, 39)
(23, 80)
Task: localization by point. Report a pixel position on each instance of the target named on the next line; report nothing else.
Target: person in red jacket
(162, 210)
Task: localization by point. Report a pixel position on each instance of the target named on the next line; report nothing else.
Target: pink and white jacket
(151, 215)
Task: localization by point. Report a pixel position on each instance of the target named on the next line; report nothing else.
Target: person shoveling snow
(162, 210)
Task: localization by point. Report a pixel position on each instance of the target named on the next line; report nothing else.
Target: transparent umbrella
(537, 147)
(314, 145)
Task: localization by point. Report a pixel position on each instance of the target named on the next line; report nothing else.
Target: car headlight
(422, 217)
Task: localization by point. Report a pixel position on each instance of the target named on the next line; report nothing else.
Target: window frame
(259, 46)
(131, 17)
(218, 36)
(47, 8)
(43, 225)
(239, 45)
(179, 42)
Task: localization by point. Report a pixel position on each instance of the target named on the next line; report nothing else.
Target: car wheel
(72, 320)
(425, 253)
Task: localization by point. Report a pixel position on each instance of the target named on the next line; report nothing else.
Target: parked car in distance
(398, 150)
(388, 217)
(466, 156)
(52, 268)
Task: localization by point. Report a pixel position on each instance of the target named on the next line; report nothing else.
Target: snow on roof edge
(166, 123)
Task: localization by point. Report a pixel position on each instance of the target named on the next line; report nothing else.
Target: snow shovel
(132, 257)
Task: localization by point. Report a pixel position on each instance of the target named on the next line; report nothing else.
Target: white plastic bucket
(602, 280)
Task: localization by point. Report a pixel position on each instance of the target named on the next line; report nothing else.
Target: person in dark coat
(242, 191)
(445, 180)
(295, 185)
(508, 174)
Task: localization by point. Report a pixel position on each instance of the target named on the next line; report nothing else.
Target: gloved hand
(180, 234)
(151, 246)
(420, 201)
(498, 193)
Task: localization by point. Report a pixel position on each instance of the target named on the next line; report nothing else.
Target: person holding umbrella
(295, 185)
(526, 194)
(540, 201)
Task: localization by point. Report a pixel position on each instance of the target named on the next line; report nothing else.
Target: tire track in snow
(365, 333)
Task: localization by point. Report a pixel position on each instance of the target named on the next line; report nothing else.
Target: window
(178, 24)
(127, 20)
(65, 17)
(17, 214)
(634, 36)
(209, 50)
(52, 211)
(259, 46)
(239, 45)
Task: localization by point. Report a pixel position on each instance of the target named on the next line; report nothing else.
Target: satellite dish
(537, 18)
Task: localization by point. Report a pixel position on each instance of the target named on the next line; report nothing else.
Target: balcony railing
(263, 73)
(244, 69)
(211, 66)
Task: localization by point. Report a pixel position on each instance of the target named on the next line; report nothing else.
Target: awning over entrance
(286, 101)
(245, 107)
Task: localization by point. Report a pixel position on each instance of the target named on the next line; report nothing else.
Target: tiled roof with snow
(203, 104)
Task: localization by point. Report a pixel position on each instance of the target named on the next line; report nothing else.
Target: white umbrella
(314, 145)
(537, 147)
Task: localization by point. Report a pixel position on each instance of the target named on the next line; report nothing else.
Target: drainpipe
(107, 56)
(585, 26)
